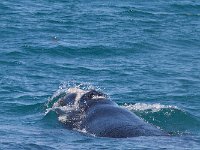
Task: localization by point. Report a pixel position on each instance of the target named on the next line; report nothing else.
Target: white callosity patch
(63, 118)
(79, 94)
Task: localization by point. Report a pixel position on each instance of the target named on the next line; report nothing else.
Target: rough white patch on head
(63, 118)
(62, 109)
(79, 93)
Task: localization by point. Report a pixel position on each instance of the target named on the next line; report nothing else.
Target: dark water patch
(17, 109)
(10, 63)
(9, 85)
(55, 52)
(3, 5)
(73, 52)
(186, 7)
(131, 11)
(28, 146)
(13, 54)
(25, 139)
(26, 109)
(85, 140)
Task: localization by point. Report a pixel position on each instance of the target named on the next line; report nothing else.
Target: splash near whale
(94, 113)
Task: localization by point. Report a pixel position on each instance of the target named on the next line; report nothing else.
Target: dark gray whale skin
(104, 118)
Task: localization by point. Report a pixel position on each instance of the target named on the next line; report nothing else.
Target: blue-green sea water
(144, 54)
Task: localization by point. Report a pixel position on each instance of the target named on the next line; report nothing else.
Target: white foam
(84, 131)
(47, 111)
(81, 130)
(52, 100)
(96, 97)
(143, 106)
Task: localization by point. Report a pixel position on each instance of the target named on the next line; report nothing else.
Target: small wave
(167, 117)
(143, 106)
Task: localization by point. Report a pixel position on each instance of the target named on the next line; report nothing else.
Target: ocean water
(144, 54)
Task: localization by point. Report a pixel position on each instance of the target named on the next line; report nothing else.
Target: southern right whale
(93, 112)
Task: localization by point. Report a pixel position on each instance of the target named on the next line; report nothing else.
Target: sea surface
(145, 54)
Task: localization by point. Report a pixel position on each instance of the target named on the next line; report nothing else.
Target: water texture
(144, 54)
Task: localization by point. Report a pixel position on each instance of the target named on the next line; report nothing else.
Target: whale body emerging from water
(93, 112)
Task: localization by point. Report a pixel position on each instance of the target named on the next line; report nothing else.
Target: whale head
(80, 98)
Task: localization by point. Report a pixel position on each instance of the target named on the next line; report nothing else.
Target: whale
(96, 114)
